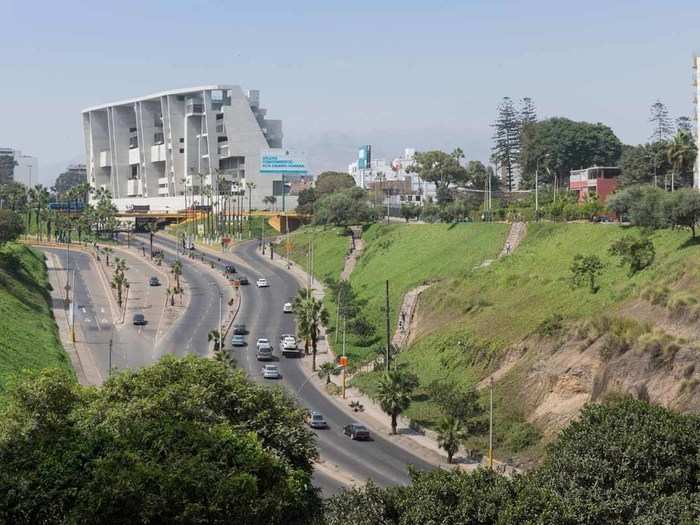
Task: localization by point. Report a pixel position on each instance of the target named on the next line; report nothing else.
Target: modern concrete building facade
(23, 168)
(165, 150)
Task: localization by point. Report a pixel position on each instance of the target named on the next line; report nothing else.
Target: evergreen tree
(663, 127)
(528, 113)
(685, 124)
(506, 149)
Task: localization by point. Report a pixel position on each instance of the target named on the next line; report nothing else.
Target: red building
(600, 181)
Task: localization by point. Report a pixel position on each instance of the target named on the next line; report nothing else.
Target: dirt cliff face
(628, 354)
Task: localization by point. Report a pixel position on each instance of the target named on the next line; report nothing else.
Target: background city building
(169, 149)
(18, 167)
(391, 178)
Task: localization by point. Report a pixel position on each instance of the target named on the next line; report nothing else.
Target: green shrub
(682, 304)
(551, 325)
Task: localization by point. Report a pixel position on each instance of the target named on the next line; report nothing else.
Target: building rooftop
(181, 91)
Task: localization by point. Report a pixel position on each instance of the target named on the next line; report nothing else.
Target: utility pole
(221, 334)
(388, 327)
(491, 424)
(109, 371)
(344, 356)
(537, 202)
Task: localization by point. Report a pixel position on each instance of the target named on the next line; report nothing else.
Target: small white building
(394, 175)
(26, 169)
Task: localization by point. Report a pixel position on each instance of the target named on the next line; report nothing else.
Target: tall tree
(681, 154)
(442, 169)
(685, 124)
(183, 441)
(644, 164)
(506, 149)
(68, 180)
(528, 113)
(558, 145)
(662, 126)
(11, 226)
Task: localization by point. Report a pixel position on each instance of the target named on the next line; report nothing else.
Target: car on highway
(316, 420)
(154, 281)
(229, 268)
(264, 352)
(262, 283)
(271, 372)
(288, 308)
(139, 319)
(242, 279)
(239, 329)
(262, 341)
(238, 340)
(356, 431)
(288, 344)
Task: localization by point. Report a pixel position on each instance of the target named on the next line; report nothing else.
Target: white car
(271, 372)
(262, 341)
(287, 308)
(288, 341)
(262, 283)
(264, 352)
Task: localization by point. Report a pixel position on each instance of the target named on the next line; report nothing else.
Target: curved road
(261, 311)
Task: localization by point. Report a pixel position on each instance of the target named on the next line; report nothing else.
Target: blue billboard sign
(281, 163)
(364, 158)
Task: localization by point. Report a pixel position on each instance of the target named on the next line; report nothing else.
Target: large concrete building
(20, 168)
(165, 150)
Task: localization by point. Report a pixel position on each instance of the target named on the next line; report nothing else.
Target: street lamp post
(491, 424)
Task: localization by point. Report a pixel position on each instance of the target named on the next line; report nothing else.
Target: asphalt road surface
(261, 311)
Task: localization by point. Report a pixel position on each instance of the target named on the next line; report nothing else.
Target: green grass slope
(406, 255)
(28, 333)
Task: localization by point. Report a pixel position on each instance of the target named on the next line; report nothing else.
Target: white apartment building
(26, 168)
(381, 171)
(163, 150)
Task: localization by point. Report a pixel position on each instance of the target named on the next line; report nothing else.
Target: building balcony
(158, 153)
(163, 190)
(163, 181)
(133, 142)
(158, 137)
(134, 156)
(134, 187)
(105, 159)
(194, 108)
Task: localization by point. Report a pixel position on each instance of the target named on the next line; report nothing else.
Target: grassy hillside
(406, 255)
(28, 334)
(467, 321)
(330, 248)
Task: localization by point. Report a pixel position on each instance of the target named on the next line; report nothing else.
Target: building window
(182, 150)
(219, 116)
(182, 141)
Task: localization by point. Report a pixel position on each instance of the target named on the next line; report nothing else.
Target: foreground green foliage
(624, 463)
(28, 334)
(183, 441)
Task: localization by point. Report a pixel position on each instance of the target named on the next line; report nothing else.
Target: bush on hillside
(624, 462)
(637, 253)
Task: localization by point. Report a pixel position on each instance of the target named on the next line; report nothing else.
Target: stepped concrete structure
(167, 151)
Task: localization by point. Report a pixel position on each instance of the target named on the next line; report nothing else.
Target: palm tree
(119, 280)
(108, 250)
(450, 435)
(176, 268)
(681, 153)
(326, 370)
(316, 316)
(251, 186)
(302, 324)
(152, 228)
(394, 394)
(215, 336)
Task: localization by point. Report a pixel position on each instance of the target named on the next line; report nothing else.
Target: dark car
(243, 279)
(139, 319)
(356, 431)
(154, 281)
(229, 268)
(239, 329)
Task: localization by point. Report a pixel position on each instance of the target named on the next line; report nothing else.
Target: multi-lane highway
(261, 311)
(342, 460)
